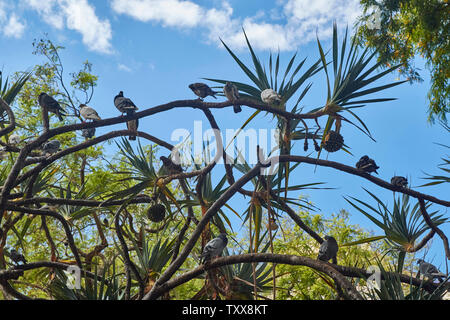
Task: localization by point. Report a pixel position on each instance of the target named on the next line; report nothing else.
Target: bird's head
(191, 86)
(82, 105)
(120, 94)
(42, 94)
(419, 261)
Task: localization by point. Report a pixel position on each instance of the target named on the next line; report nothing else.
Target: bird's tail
(237, 108)
(60, 116)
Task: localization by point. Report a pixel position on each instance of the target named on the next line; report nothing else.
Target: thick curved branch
(433, 227)
(358, 172)
(12, 118)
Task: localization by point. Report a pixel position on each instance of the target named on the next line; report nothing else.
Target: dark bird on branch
(89, 113)
(47, 102)
(399, 181)
(51, 147)
(430, 271)
(214, 248)
(16, 257)
(328, 249)
(124, 105)
(133, 126)
(169, 166)
(232, 93)
(88, 133)
(202, 90)
(367, 165)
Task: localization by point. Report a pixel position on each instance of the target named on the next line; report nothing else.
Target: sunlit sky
(152, 50)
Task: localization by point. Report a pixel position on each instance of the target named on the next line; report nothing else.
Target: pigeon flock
(329, 247)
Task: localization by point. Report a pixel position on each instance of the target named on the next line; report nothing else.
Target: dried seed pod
(156, 212)
(333, 141)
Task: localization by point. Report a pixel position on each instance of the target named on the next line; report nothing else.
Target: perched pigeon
(16, 257)
(170, 166)
(124, 105)
(202, 90)
(133, 125)
(366, 164)
(88, 133)
(46, 101)
(328, 249)
(51, 147)
(430, 271)
(232, 94)
(214, 247)
(89, 113)
(399, 181)
(14, 139)
(269, 96)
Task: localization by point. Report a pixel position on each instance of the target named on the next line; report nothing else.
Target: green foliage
(409, 28)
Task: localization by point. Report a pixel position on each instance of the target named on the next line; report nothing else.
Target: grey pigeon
(14, 139)
(399, 181)
(430, 271)
(367, 165)
(232, 93)
(169, 166)
(51, 147)
(270, 97)
(89, 113)
(328, 249)
(88, 133)
(202, 90)
(214, 247)
(16, 257)
(124, 105)
(133, 126)
(46, 101)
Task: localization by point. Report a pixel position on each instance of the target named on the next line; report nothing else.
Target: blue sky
(153, 49)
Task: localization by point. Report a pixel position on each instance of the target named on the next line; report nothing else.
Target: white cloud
(77, 15)
(302, 18)
(171, 13)
(47, 10)
(81, 17)
(13, 28)
(123, 67)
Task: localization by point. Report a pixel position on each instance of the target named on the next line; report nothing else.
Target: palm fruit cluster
(333, 141)
(156, 213)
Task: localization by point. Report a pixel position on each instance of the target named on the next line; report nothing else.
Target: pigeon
(269, 96)
(133, 125)
(232, 93)
(430, 271)
(124, 105)
(328, 249)
(399, 181)
(202, 90)
(214, 247)
(16, 257)
(88, 133)
(170, 166)
(51, 146)
(89, 113)
(14, 139)
(367, 165)
(46, 101)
